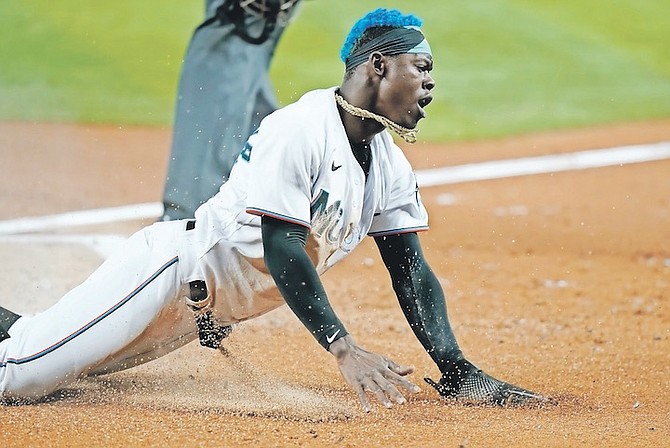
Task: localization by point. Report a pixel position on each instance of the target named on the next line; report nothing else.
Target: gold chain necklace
(409, 135)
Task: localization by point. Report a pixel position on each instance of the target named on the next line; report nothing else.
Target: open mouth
(423, 102)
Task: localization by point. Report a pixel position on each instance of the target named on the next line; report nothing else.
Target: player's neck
(363, 155)
(360, 131)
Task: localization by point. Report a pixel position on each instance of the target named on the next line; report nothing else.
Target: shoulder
(306, 123)
(391, 155)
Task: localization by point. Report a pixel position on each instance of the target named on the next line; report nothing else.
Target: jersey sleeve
(281, 166)
(403, 211)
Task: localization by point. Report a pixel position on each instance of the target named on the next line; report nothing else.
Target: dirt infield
(558, 282)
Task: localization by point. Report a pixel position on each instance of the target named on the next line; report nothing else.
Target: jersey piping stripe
(95, 321)
(399, 231)
(261, 212)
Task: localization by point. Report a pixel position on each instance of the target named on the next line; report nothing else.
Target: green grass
(502, 67)
(73, 61)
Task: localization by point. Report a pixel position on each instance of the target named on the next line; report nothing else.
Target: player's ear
(377, 62)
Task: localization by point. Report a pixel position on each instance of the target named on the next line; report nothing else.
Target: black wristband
(329, 335)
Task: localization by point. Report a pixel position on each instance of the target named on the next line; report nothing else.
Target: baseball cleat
(473, 386)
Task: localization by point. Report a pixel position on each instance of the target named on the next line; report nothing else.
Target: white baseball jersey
(298, 167)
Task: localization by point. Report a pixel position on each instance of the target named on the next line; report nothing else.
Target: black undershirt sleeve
(297, 279)
(420, 296)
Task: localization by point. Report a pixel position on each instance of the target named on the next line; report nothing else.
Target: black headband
(396, 41)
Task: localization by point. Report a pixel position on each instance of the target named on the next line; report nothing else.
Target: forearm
(297, 280)
(421, 298)
(422, 301)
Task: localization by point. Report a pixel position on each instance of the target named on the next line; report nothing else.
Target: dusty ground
(558, 282)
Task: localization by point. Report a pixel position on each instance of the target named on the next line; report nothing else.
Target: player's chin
(411, 121)
(414, 115)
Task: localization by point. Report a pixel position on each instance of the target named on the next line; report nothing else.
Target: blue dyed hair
(378, 17)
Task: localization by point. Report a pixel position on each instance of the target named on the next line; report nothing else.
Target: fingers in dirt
(371, 385)
(360, 391)
(399, 380)
(389, 389)
(400, 370)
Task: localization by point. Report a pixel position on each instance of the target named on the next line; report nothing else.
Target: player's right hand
(367, 372)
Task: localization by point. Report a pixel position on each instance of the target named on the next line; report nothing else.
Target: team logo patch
(246, 151)
(326, 219)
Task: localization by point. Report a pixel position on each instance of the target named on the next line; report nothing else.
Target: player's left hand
(367, 372)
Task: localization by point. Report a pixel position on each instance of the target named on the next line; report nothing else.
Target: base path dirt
(558, 282)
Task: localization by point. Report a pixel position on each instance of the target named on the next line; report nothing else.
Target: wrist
(327, 337)
(341, 347)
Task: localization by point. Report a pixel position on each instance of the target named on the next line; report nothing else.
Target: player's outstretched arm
(420, 296)
(297, 280)
(422, 301)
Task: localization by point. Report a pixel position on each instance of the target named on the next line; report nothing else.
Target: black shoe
(7, 319)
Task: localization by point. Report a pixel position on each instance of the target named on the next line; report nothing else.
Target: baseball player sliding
(331, 175)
